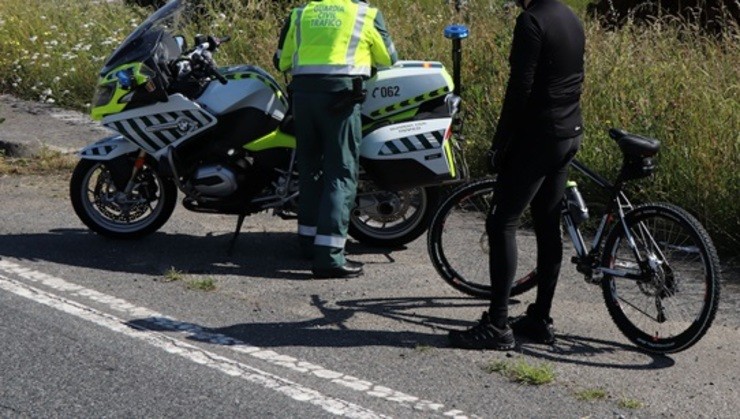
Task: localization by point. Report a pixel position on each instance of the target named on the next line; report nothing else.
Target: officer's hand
(494, 157)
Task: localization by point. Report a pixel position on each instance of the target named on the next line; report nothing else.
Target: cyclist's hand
(494, 158)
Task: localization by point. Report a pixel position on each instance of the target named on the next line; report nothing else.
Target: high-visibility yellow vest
(333, 37)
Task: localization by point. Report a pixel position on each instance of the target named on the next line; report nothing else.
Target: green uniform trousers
(328, 152)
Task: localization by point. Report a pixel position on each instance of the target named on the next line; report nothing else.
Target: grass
(205, 284)
(666, 80)
(421, 348)
(627, 403)
(521, 371)
(201, 284)
(591, 394)
(172, 274)
(45, 161)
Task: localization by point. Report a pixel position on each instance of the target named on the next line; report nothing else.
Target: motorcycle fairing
(414, 153)
(108, 148)
(403, 88)
(160, 125)
(248, 86)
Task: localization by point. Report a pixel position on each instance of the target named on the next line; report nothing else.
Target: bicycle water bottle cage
(638, 153)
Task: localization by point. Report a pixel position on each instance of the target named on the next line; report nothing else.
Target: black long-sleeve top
(544, 88)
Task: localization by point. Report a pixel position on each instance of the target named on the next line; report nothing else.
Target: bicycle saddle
(633, 144)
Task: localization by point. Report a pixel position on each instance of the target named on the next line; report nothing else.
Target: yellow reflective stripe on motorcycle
(409, 102)
(447, 145)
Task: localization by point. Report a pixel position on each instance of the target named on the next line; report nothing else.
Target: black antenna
(456, 33)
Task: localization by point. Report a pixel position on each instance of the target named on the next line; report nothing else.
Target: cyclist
(539, 131)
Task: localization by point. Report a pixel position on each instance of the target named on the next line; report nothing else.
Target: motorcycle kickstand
(239, 223)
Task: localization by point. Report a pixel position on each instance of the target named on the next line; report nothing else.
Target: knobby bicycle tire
(458, 244)
(671, 311)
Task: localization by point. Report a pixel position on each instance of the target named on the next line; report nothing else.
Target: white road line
(199, 333)
(174, 346)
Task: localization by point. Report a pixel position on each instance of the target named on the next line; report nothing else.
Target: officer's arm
(525, 53)
(383, 51)
(282, 57)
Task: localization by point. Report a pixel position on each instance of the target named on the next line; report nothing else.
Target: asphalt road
(91, 327)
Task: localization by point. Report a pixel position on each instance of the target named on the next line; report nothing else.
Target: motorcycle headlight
(117, 88)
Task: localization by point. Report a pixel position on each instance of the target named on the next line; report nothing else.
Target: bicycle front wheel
(458, 244)
(674, 301)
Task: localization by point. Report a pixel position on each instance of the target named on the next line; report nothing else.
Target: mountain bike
(656, 264)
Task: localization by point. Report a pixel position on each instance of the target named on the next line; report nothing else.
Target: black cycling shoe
(349, 270)
(484, 335)
(534, 328)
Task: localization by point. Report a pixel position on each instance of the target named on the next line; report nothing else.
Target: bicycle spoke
(674, 303)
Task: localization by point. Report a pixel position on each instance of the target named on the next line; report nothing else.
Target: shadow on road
(272, 255)
(331, 330)
(328, 330)
(579, 350)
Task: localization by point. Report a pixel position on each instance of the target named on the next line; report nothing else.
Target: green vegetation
(205, 284)
(173, 274)
(45, 161)
(422, 348)
(666, 80)
(202, 284)
(521, 371)
(591, 394)
(626, 403)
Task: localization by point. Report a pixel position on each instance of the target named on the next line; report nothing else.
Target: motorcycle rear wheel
(109, 212)
(392, 219)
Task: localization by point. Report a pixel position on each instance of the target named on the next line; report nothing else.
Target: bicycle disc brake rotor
(656, 285)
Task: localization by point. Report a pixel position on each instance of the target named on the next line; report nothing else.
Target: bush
(713, 15)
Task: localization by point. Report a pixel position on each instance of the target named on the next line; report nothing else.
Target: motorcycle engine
(214, 181)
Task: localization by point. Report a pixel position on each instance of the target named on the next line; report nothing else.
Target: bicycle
(657, 266)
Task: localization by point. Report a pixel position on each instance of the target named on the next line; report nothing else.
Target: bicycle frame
(587, 259)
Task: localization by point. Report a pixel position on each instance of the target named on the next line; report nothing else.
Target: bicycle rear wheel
(458, 244)
(675, 302)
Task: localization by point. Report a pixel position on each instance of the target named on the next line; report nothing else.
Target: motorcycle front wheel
(112, 212)
(392, 219)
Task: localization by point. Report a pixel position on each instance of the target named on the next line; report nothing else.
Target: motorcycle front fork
(138, 164)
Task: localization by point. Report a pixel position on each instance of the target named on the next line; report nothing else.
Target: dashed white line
(226, 365)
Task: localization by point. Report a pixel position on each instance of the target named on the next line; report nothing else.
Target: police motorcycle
(223, 137)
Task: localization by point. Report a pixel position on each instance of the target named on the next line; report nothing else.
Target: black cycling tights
(534, 173)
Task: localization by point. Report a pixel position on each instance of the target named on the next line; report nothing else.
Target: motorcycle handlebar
(202, 54)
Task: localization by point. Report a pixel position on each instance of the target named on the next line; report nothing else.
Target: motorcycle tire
(106, 211)
(386, 224)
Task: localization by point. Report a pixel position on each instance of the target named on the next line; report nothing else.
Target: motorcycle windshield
(153, 38)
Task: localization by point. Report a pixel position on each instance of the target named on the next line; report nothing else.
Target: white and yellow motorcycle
(223, 138)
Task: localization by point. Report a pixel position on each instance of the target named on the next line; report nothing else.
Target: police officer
(538, 133)
(330, 48)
